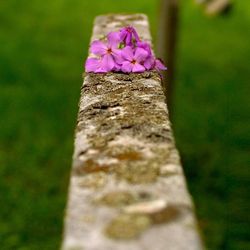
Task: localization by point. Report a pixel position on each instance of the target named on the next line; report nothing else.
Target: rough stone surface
(127, 188)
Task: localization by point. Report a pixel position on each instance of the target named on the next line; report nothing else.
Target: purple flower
(127, 34)
(133, 59)
(97, 65)
(108, 53)
(149, 62)
(111, 55)
(153, 63)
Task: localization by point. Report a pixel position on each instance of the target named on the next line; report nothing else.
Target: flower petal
(140, 54)
(107, 62)
(149, 63)
(127, 67)
(114, 39)
(127, 53)
(159, 65)
(128, 35)
(138, 68)
(146, 46)
(101, 70)
(116, 53)
(98, 48)
(117, 67)
(122, 34)
(92, 64)
(128, 40)
(137, 39)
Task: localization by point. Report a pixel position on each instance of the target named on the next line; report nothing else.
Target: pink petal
(116, 53)
(128, 34)
(128, 40)
(140, 54)
(101, 70)
(108, 62)
(135, 34)
(149, 63)
(127, 53)
(114, 39)
(98, 48)
(138, 68)
(146, 46)
(117, 67)
(159, 65)
(126, 67)
(92, 64)
(123, 34)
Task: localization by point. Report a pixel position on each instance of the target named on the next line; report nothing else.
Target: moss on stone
(126, 226)
(165, 215)
(124, 153)
(130, 155)
(94, 180)
(138, 172)
(117, 199)
(131, 225)
(91, 166)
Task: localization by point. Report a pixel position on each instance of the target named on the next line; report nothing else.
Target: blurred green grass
(43, 47)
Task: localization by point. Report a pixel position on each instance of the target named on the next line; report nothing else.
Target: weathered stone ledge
(127, 188)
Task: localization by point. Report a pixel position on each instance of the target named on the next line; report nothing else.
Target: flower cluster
(122, 51)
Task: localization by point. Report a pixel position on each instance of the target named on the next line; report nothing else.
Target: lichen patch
(138, 172)
(116, 199)
(126, 226)
(95, 180)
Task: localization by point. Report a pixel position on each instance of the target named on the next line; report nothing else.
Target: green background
(43, 45)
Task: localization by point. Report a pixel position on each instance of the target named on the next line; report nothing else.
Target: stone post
(127, 188)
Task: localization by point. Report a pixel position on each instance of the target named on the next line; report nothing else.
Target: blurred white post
(216, 7)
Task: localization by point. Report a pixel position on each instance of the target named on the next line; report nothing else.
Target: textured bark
(127, 188)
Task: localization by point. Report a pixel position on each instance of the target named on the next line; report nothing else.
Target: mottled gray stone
(127, 188)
